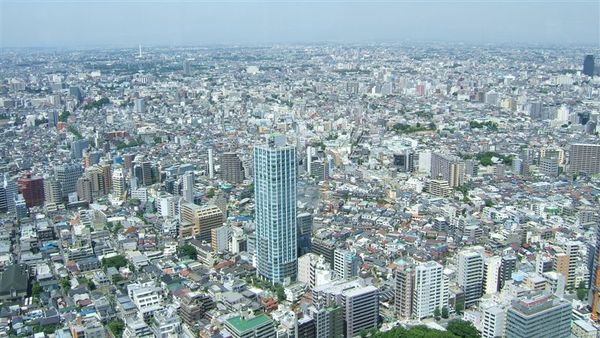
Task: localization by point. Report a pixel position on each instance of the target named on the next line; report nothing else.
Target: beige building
(202, 218)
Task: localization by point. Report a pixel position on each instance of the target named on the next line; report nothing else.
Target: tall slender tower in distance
(588, 65)
(275, 180)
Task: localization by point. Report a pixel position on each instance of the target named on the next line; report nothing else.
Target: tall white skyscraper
(491, 275)
(470, 275)
(188, 187)
(118, 180)
(211, 164)
(275, 196)
(430, 290)
(309, 154)
(8, 187)
(345, 263)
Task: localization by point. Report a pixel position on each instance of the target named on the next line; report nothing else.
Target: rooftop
(241, 325)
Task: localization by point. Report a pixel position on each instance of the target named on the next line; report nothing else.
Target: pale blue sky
(83, 23)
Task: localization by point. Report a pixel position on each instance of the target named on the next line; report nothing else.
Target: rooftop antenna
(140, 55)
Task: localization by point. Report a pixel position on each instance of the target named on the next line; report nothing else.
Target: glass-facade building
(539, 316)
(275, 198)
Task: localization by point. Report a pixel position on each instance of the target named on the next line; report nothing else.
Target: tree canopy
(187, 250)
(115, 261)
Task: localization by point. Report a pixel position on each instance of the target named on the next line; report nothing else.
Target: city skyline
(189, 23)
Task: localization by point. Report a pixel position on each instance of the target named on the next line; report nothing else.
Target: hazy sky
(68, 23)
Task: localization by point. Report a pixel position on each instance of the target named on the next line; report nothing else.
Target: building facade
(275, 199)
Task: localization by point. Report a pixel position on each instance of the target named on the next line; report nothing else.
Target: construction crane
(596, 286)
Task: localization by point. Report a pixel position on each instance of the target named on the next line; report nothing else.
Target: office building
(313, 270)
(584, 159)
(146, 173)
(449, 168)
(118, 182)
(582, 328)
(211, 164)
(52, 191)
(493, 321)
(67, 175)
(404, 160)
(359, 303)
(187, 69)
(305, 327)
(572, 250)
(589, 65)
(32, 189)
(549, 166)
(84, 189)
(187, 190)
(251, 326)
(53, 118)
(98, 179)
(470, 275)
(508, 265)
(139, 106)
(305, 225)
(3, 200)
(137, 328)
(404, 288)
(430, 290)
(539, 316)
(166, 323)
(325, 248)
(319, 170)
(232, 170)
(220, 238)
(194, 306)
(77, 148)
(275, 200)
(146, 297)
(345, 263)
(329, 321)
(491, 274)
(203, 219)
(8, 194)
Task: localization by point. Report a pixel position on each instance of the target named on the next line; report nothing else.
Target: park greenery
(456, 329)
(64, 116)
(485, 158)
(187, 250)
(493, 126)
(401, 128)
(116, 262)
(96, 104)
(75, 132)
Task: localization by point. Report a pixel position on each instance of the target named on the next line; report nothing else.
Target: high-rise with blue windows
(275, 198)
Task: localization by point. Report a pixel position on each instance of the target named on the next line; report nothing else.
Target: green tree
(116, 327)
(437, 313)
(581, 291)
(462, 329)
(36, 289)
(64, 116)
(280, 293)
(420, 331)
(210, 193)
(64, 283)
(459, 308)
(187, 250)
(116, 262)
(46, 329)
(445, 312)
